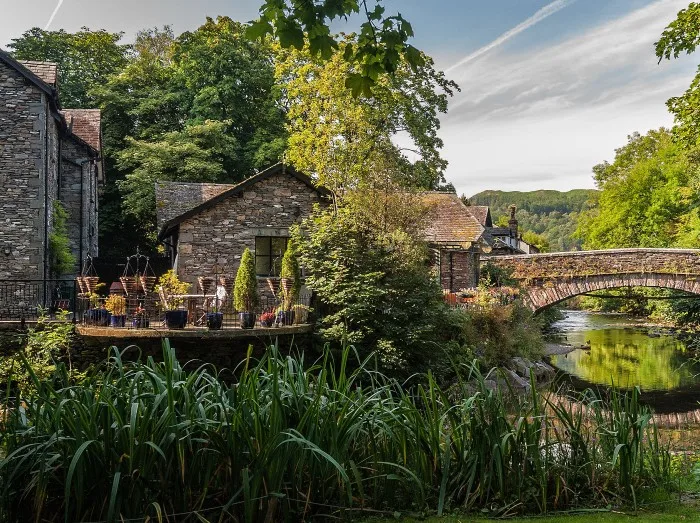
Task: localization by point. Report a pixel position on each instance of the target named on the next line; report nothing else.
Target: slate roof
(481, 213)
(179, 213)
(46, 71)
(450, 221)
(85, 124)
(176, 198)
(28, 74)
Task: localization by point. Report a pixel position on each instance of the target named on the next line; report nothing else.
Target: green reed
(293, 440)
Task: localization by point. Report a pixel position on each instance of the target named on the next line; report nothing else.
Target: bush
(245, 288)
(290, 271)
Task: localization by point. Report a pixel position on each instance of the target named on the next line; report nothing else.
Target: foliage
(491, 274)
(172, 286)
(116, 304)
(380, 47)
(196, 154)
(683, 35)
(646, 196)
(201, 107)
(44, 345)
(496, 334)
(245, 288)
(551, 214)
(62, 261)
(370, 272)
(290, 271)
(85, 59)
(344, 141)
(151, 440)
(537, 240)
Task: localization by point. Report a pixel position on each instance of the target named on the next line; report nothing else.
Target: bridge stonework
(547, 279)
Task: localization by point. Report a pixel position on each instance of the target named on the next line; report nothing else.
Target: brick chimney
(513, 222)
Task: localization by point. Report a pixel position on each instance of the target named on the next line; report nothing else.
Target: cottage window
(268, 254)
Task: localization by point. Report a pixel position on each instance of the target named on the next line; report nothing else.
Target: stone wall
(547, 279)
(213, 241)
(23, 114)
(78, 177)
(459, 269)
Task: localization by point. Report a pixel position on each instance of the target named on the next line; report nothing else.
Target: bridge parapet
(597, 263)
(550, 278)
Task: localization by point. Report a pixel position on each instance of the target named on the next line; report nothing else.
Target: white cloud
(542, 118)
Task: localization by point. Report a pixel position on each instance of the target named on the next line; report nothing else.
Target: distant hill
(552, 214)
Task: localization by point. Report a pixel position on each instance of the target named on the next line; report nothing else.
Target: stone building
(456, 237)
(47, 157)
(206, 227)
(503, 241)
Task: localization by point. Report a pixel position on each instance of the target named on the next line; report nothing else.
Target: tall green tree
(85, 59)
(683, 36)
(346, 141)
(645, 195)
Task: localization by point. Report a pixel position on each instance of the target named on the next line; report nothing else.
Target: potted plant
(172, 288)
(215, 319)
(290, 280)
(245, 290)
(96, 313)
(267, 319)
(140, 320)
(116, 305)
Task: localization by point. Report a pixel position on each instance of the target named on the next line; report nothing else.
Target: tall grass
(292, 441)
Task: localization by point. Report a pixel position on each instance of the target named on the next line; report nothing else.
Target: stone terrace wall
(23, 114)
(214, 240)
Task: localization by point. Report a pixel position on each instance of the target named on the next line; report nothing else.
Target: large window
(268, 254)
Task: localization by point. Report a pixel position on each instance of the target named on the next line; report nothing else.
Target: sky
(549, 88)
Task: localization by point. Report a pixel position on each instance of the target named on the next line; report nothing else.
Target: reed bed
(296, 441)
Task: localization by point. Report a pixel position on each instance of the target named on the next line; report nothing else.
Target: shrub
(116, 304)
(245, 289)
(172, 286)
(63, 260)
(290, 271)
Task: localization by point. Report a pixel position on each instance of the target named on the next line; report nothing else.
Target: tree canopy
(380, 47)
(85, 59)
(347, 141)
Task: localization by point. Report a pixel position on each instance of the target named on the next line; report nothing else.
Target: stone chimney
(513, 222)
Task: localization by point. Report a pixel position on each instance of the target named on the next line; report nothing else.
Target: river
(622, 352)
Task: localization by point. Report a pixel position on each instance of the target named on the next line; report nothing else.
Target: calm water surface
(623, 353)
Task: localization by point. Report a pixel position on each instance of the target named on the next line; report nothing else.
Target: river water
(622, 352)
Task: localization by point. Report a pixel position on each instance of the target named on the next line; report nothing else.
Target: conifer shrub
(245, 288)
(290, 271)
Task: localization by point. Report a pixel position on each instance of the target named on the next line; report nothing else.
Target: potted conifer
(290, 280)
(245, 290)
(116, 305)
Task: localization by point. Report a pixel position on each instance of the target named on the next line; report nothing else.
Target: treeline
(551, 214)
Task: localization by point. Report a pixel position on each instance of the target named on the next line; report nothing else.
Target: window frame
(270, 257)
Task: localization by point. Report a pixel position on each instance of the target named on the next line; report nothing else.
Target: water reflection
(623, 354)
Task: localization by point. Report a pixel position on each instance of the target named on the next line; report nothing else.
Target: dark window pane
(262, 265)
(262, 245)
(279, 245)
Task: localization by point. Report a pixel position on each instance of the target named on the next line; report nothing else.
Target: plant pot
(117, 321)
(97, 317)
(140, 323)
(176, 319)
(247, 320)
(215, 320)
(285, 317)
(267, 323)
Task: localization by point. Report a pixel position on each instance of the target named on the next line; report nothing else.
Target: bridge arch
(548, 279)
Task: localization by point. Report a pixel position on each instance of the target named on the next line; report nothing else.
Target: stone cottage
(46, 156)
(456, 238)
(206, 227)
(502, 241)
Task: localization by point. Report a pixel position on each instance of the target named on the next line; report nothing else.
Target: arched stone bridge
(547, 279)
